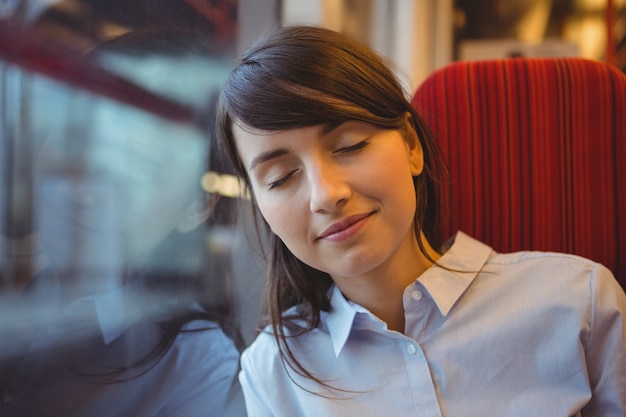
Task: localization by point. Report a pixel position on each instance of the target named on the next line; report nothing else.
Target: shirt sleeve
(606, 348)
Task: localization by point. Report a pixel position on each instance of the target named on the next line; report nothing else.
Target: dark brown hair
(302, 76)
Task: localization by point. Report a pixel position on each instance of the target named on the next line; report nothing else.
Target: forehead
(257, 145)
(246, 136)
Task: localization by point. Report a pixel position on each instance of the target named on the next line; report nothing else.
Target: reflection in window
(116, 294)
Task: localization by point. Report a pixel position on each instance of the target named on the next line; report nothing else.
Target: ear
(198, 212)
(415, 153)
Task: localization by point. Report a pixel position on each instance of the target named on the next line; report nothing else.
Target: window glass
(117, 290)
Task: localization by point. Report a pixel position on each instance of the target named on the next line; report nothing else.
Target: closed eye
(276, 184)
(353, 148)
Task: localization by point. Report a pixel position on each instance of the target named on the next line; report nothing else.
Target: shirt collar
(339, 320)
(459, 267)
(463, 261)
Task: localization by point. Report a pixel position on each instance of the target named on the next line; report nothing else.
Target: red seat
(536, 149)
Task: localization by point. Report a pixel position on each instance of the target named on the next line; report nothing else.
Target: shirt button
(7, 398)
(411, 349)
(416, 295)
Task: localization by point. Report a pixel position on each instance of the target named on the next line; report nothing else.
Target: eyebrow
(327, 128)
(267, 156)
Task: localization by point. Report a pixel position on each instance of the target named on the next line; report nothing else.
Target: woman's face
(342, 200)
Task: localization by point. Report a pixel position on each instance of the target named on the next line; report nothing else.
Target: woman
(371, 313)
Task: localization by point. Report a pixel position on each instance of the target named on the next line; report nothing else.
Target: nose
(328, 187)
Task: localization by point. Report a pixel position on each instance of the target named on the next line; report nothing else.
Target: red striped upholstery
(537, 153)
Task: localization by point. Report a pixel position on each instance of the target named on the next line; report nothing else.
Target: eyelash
(277, 184)
(353, 148)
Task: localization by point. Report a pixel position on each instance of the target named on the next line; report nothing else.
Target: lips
(344, 225)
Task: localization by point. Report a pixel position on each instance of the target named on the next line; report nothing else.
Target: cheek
(391, 175)
(393, 186)
(284, 216)
(276, 216)
(403, 188)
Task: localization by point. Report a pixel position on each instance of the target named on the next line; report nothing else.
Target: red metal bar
(31, 51)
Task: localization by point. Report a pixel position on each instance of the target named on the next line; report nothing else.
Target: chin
(357, 270)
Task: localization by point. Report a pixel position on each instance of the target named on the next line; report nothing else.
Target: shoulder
(470, 254)
(551, 274)
(262, 367)
(548, 267)
(547, 258)
(263, 356)
(263, 346)
(550, 278)
(263, 351)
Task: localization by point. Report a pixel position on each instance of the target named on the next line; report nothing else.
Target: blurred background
(419, 36)
(99, 142)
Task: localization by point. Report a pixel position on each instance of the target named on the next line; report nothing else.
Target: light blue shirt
(195, 378)
(521, 334)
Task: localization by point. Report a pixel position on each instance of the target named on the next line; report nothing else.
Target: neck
(381, 290)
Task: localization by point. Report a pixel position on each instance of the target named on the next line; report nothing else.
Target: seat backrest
(536, 149)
